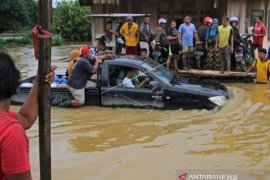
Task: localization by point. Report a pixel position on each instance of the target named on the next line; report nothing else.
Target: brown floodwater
(118, 143)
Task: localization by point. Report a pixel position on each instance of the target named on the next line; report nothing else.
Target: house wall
(172, 9)
(246, 11)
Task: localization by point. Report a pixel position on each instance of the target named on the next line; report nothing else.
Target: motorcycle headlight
(218, 100)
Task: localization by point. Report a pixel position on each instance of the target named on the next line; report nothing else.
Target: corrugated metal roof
(116, 15)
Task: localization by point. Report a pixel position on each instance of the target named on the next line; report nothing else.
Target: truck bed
(59, 93)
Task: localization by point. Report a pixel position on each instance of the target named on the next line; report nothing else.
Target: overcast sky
(55, 2)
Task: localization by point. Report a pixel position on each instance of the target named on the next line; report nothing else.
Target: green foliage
(16, 14)
(57, 41)
(3, 44)
(27, 40)
(71, 21)
(11, 42)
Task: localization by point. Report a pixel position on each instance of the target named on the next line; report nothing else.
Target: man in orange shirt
(14, 144)
(130, 30)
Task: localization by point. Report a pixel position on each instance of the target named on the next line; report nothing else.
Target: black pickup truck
(164, 90)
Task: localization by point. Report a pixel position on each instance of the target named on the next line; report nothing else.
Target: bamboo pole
(44, 92)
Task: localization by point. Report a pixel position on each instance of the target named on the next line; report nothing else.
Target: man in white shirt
(131, 78)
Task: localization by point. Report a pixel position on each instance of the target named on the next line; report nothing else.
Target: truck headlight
(218, 100)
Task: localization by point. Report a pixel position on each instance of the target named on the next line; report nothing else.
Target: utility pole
(44, 92)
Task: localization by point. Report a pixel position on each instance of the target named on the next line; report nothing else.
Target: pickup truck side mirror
(154, 86)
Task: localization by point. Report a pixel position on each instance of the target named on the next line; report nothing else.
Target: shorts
(174, 50)
(187, 49)
(78, 94)
(259, 46)
(131, 50)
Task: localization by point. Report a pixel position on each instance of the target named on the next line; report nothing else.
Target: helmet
(120, 41)
(233, 19)
(162, 21)
(130, 18)
(207, 20)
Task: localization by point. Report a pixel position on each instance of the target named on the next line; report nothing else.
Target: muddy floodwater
(143, 144)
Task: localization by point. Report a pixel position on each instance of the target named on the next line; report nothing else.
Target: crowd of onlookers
(225, 37)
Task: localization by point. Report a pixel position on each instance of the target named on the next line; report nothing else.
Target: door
(116, 94)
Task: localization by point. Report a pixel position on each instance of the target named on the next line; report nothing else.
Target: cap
(262, 50)
(84, 50)
(130, 18)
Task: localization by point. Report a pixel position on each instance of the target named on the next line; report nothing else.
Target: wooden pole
(44, 92)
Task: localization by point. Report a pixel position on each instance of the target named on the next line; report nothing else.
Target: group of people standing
(225, 38)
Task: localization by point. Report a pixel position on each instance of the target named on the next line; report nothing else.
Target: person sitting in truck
(131, 79)
(79, 76)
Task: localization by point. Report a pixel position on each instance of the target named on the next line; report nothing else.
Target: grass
(57, 41)
(26, 40)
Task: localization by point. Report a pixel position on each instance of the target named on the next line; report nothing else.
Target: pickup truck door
(120, 96)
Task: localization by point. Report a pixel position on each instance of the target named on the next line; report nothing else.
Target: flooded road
(117, 143)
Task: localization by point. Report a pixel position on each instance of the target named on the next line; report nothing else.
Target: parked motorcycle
(160, 53)
(120, 44)
(198, 56)
(244, 55)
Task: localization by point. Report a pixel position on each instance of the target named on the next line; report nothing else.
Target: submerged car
(164, 90)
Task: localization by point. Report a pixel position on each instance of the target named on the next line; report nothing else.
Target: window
(126, 76)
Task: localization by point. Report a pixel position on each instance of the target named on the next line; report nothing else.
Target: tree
(71, 21)
(16, 14)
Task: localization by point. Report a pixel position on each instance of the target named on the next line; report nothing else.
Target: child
(143, 53)
(262, 64)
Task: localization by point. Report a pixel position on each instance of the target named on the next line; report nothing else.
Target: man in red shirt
(14, 145)
(258, 33)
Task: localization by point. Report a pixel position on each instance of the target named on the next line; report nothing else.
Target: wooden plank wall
(238, 8)
(243, 10)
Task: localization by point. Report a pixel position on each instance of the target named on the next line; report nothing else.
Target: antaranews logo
(207, 176)
(183, 176)
(219, 174)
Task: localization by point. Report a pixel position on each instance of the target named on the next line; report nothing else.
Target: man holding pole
(14, 144)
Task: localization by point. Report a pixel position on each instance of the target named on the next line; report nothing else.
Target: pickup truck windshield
(163, 73)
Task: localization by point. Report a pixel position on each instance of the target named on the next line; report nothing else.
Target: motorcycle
(120, 44)
(198, 56)
(160, 53)
(244, 54)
